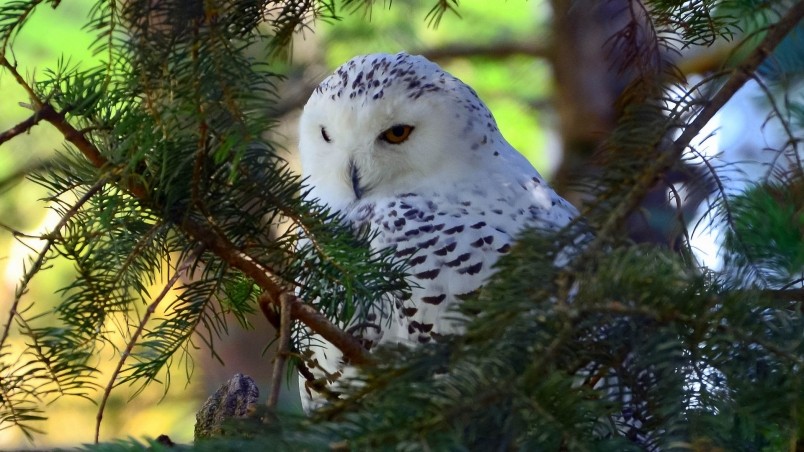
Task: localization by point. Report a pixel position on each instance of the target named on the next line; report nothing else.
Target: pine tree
(166, 171)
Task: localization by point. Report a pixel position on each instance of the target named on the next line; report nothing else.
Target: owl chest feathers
(451, 241)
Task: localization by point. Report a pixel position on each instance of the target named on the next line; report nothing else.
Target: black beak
(354, 173)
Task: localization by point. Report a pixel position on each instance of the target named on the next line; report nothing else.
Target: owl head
(388, 124)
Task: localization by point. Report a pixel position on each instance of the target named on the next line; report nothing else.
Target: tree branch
(20, 128)
(201, 232)
(180, 271)
(740, 75)
(497, 50)
(352, 349)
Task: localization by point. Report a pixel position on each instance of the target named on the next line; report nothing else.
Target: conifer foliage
(165, 173)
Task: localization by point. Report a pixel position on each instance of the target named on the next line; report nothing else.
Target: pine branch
(285, 321)
(352, 350)
(740, 75)
(180, 271)
(37, 265)
(203, 233)
(792, 140)
(57, 119)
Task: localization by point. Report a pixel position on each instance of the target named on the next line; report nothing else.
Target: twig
(77, 138)
(140, 328)
(268, 311)
(49, 114)
(285, 323)
(352, 349)
(20, 128)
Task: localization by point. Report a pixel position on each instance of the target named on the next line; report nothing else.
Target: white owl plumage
(396, 143)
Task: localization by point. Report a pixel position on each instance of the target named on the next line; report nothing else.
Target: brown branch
(269, 312)
(265, 278)
(740, 75)
(203, 233)
(47, 112)
(80, 141)
(22, 288)
(20, 128)
(353, 351)
(284, 348)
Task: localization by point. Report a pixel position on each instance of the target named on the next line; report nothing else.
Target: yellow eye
(396, 134)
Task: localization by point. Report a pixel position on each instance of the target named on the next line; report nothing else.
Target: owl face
(389, 124)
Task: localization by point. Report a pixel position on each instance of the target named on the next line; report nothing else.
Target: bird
(394, 143)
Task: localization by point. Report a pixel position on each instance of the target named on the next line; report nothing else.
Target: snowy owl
(396, 143)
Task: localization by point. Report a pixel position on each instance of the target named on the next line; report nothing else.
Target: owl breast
(451, 242)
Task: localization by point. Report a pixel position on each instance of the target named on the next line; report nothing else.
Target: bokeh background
(542, 68)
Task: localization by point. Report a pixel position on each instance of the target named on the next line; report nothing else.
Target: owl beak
(354, 174)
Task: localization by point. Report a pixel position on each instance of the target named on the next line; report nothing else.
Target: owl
(396, 144)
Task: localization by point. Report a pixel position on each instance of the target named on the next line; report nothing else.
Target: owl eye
(325, 135)
(397, 134)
